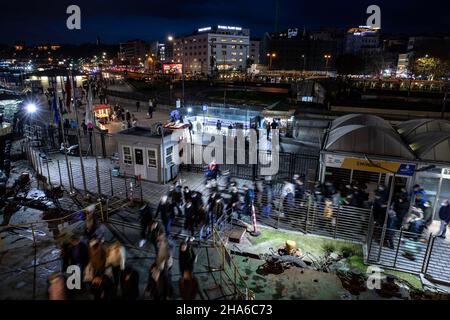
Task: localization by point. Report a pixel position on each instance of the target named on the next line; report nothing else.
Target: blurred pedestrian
(186, 257)
(188, 286)
(129, 284)
(56, 287)
(444, 216)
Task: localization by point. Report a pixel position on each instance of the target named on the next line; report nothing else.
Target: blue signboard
(406, 170)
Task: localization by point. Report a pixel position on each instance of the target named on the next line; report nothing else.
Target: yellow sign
(372, 166)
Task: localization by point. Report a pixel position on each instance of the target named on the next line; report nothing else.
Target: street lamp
(271, 56)
(170, 38)
(31, 108)
(327, 58)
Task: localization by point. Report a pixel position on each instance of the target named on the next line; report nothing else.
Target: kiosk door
(139, 163)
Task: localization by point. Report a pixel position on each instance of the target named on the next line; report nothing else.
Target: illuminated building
(209, 49)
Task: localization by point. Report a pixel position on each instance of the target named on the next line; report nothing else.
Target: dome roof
(409, 129)
(360, 119)
(432, 146)
(368, 139)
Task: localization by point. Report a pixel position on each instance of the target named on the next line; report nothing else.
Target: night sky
(115, 21)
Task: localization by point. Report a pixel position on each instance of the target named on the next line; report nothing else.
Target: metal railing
(230, 276)
(410, 252)
(314, 217)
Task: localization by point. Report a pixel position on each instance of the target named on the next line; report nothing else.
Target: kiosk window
(127, 157)
(169, 156)
(152, 161)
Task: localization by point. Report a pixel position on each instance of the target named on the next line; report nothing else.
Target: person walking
(146, 222)
(186, 257)
(165, 208)
(219, 126)
(150, 108)
(56, 287)
(444, 216)
(188, 286)
(268, 130)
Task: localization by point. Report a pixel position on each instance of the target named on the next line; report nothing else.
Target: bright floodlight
(189, 109)
(31, 108)
(170, 38)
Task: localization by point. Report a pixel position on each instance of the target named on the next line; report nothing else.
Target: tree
(430, 67)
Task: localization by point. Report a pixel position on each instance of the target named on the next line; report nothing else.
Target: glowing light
(189, 110)
(31, 108)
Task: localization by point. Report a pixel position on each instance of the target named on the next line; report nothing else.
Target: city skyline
(46, 21)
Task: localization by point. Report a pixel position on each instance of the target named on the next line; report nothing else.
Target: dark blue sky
(115, 21)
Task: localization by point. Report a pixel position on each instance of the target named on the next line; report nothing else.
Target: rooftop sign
(229, 28)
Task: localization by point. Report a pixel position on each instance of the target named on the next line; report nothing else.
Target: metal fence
(313, 217)
(289, 164)
(410, 252)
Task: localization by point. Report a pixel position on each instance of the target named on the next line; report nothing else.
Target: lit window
(127, 157)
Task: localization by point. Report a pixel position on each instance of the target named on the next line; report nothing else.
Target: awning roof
(410, 129)
(369, 140)
(432, 146)
(421, 139)
(360, 119)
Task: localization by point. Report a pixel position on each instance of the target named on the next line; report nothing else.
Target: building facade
(295, 49)
(134, 51)
(255, 49)
(363, 41)
(222, 49)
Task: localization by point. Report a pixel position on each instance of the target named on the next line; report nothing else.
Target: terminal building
(366, 148)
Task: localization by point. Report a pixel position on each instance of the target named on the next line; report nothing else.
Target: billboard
(172, 68)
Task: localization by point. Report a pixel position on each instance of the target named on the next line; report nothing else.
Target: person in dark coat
(248, 200)
(187, 194)
(402, 209)
(444, 216)
(190, 217)
(177, 198)
(156, 232)
(129, 284)
(165, 208)
(154, 286)
(146, 222)
(102, 287)
(299, 188)
(78, 253)
(186, 258)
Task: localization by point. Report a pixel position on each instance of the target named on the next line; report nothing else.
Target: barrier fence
(410, 252)
(314, 217)
(405, 251)
(230, 276)
(304, 164)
